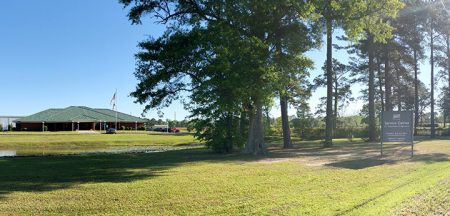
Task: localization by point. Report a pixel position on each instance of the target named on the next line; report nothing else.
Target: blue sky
(55, 54)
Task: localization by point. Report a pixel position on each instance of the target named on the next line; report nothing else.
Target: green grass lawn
(348, 179)
(29, 143)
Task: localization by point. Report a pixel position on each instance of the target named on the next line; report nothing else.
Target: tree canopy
(230, 59)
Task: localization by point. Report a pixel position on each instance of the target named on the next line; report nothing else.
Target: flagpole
(113, 103)
(116, 108)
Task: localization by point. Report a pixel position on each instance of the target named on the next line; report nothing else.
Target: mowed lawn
(73, 142)
(348, 179)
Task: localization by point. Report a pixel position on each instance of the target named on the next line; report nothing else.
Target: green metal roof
(79, 114)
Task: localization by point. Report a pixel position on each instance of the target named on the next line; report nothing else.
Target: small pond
(24, 152)
(8, 153)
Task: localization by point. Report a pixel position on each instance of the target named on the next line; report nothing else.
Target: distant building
(8, 120)
(78, 118)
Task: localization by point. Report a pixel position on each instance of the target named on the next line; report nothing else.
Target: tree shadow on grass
(190, 144)
(431, 158)
(359, 155)
(360, 163)
(377, 161)
(338, 152)
(171, 134)
(29, 174)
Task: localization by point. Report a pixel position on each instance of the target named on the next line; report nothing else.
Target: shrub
(427, 132)
(312, 133)
(274, 131)
(339, 133)
(351, 132)
(445, 132)
(215, 135)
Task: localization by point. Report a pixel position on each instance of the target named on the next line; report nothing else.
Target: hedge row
(319, 133)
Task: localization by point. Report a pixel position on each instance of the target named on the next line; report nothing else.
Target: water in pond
(8, 153)
(84, 151)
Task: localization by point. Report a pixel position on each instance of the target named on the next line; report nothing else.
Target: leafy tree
(412, 26)
(292, 36)
(442, 57)
(431, 14)
(444, 103)
(305, 119)
(225, 54)
(342, 93)
(401, 55)
(356, 18)
(195, 55)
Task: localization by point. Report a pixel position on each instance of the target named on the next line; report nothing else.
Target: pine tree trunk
(447, 43)
(255, 142)
(250, 135)
(335, 95)
(229, 139)
(399, 92)
(445, 119)
(387, 79)
(267, 113)
(260, 146)
(433, 129)
(284, 101)
(372, 123)
(243, 124)
(416, 93)
(329, 112)
(380, 81)
(285, 122)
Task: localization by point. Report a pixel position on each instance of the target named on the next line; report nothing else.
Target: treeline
(235, 59)
(171, 123)
(312, 126)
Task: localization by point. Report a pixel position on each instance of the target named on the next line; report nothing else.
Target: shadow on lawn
(359, 155)
(377, 161)
(28, 174)
(171, 134)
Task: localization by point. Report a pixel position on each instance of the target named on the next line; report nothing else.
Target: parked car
(160, 129)
(170, 130)
(111, 131)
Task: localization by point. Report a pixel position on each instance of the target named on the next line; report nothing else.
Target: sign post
(397, 126)
(381, 140)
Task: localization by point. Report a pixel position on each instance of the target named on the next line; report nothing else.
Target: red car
(174, 130)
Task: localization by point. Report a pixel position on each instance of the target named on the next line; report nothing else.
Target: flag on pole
(113, 100)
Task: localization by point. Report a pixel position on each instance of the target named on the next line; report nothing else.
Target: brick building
(78, 118)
